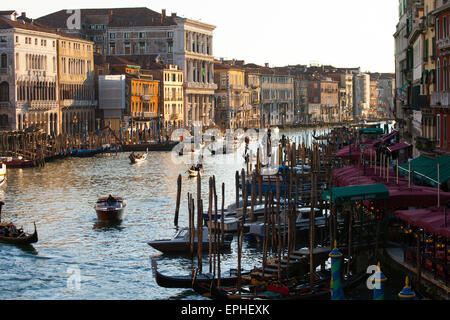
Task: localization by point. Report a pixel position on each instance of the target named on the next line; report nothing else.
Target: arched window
(4, 91)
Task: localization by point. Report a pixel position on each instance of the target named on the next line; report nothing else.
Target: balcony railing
(425, 144)
(443, 43)
(440, 98)
(144, 115)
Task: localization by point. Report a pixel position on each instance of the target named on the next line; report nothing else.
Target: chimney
(164, 13)
(174, 14)
(24, 15)
(266, 65)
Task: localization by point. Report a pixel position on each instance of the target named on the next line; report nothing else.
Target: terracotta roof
(7, 12)
(6, 23)
(225, 66)
(116, 17)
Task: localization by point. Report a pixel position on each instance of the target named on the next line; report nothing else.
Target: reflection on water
(114, 261)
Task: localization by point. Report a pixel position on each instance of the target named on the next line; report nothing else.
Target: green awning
(371, 131)
(425, 169)
(357, 193)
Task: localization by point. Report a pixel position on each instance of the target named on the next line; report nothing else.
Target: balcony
(425, 144)
(3, 70)
(143, 115)
(4, 104)
(443, 44)
(176, 116)
(201, 85)
(147, 97)
(440, 99)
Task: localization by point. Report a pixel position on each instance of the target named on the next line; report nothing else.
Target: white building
(361, 99)
(28, 76)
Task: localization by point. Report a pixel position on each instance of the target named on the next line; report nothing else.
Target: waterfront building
(232, 96)
(28, 75)
(253, 85)
(314, 100)
(361, 96)
(171, 93)
(329, 100)
(403, 66)
(373, 105)
(137, 101)
(145, 33)
(76, 85)
(428, 79)
(440, 98)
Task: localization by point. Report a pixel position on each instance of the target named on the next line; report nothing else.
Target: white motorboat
(138, 158)
(180, 243)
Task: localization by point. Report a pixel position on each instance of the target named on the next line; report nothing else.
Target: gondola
(23, 240)
(185, 282)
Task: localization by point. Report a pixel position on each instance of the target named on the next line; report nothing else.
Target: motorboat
(138, 158)
(194, 171)
(180, 243)
(110, 209)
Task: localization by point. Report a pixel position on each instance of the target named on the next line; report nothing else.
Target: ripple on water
(114, 262)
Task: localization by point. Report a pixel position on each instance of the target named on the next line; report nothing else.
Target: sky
(349, 33)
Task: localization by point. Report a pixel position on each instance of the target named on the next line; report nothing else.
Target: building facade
(28, 76)
(76, 86)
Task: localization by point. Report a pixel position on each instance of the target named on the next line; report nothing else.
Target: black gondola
(186, 282)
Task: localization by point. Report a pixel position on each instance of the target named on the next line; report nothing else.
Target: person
(110, 201)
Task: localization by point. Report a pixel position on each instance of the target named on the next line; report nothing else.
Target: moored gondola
(185, 282)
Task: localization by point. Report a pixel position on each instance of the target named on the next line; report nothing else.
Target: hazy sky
(349, 33)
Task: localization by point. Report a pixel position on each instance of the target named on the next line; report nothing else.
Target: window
(17, 39)
(3, 61)
(17, 61)
(126, 35)
(169, 34)
(35, 42)
(4, 91)
(112, 35)
(142, 47)
(438, 127)
(141, 35)
(3, 39)
(112, 48)
(127, 48)
(170, 48)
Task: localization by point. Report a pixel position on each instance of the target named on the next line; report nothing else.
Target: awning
(425, 169)
(431, 220)
(371, 131)
(357, 193)
(398, 146)
(389, 136)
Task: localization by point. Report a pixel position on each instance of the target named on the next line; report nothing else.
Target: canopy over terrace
(426, 169)
(356, 193)
(401, 194)
(433, 220)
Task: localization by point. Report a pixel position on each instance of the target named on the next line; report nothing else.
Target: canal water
(76, 258)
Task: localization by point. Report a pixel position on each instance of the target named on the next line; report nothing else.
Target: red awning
(398, 146)
(431, 219)
(389, 136)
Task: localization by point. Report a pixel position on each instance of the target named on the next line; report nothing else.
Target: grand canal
(112, 262)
